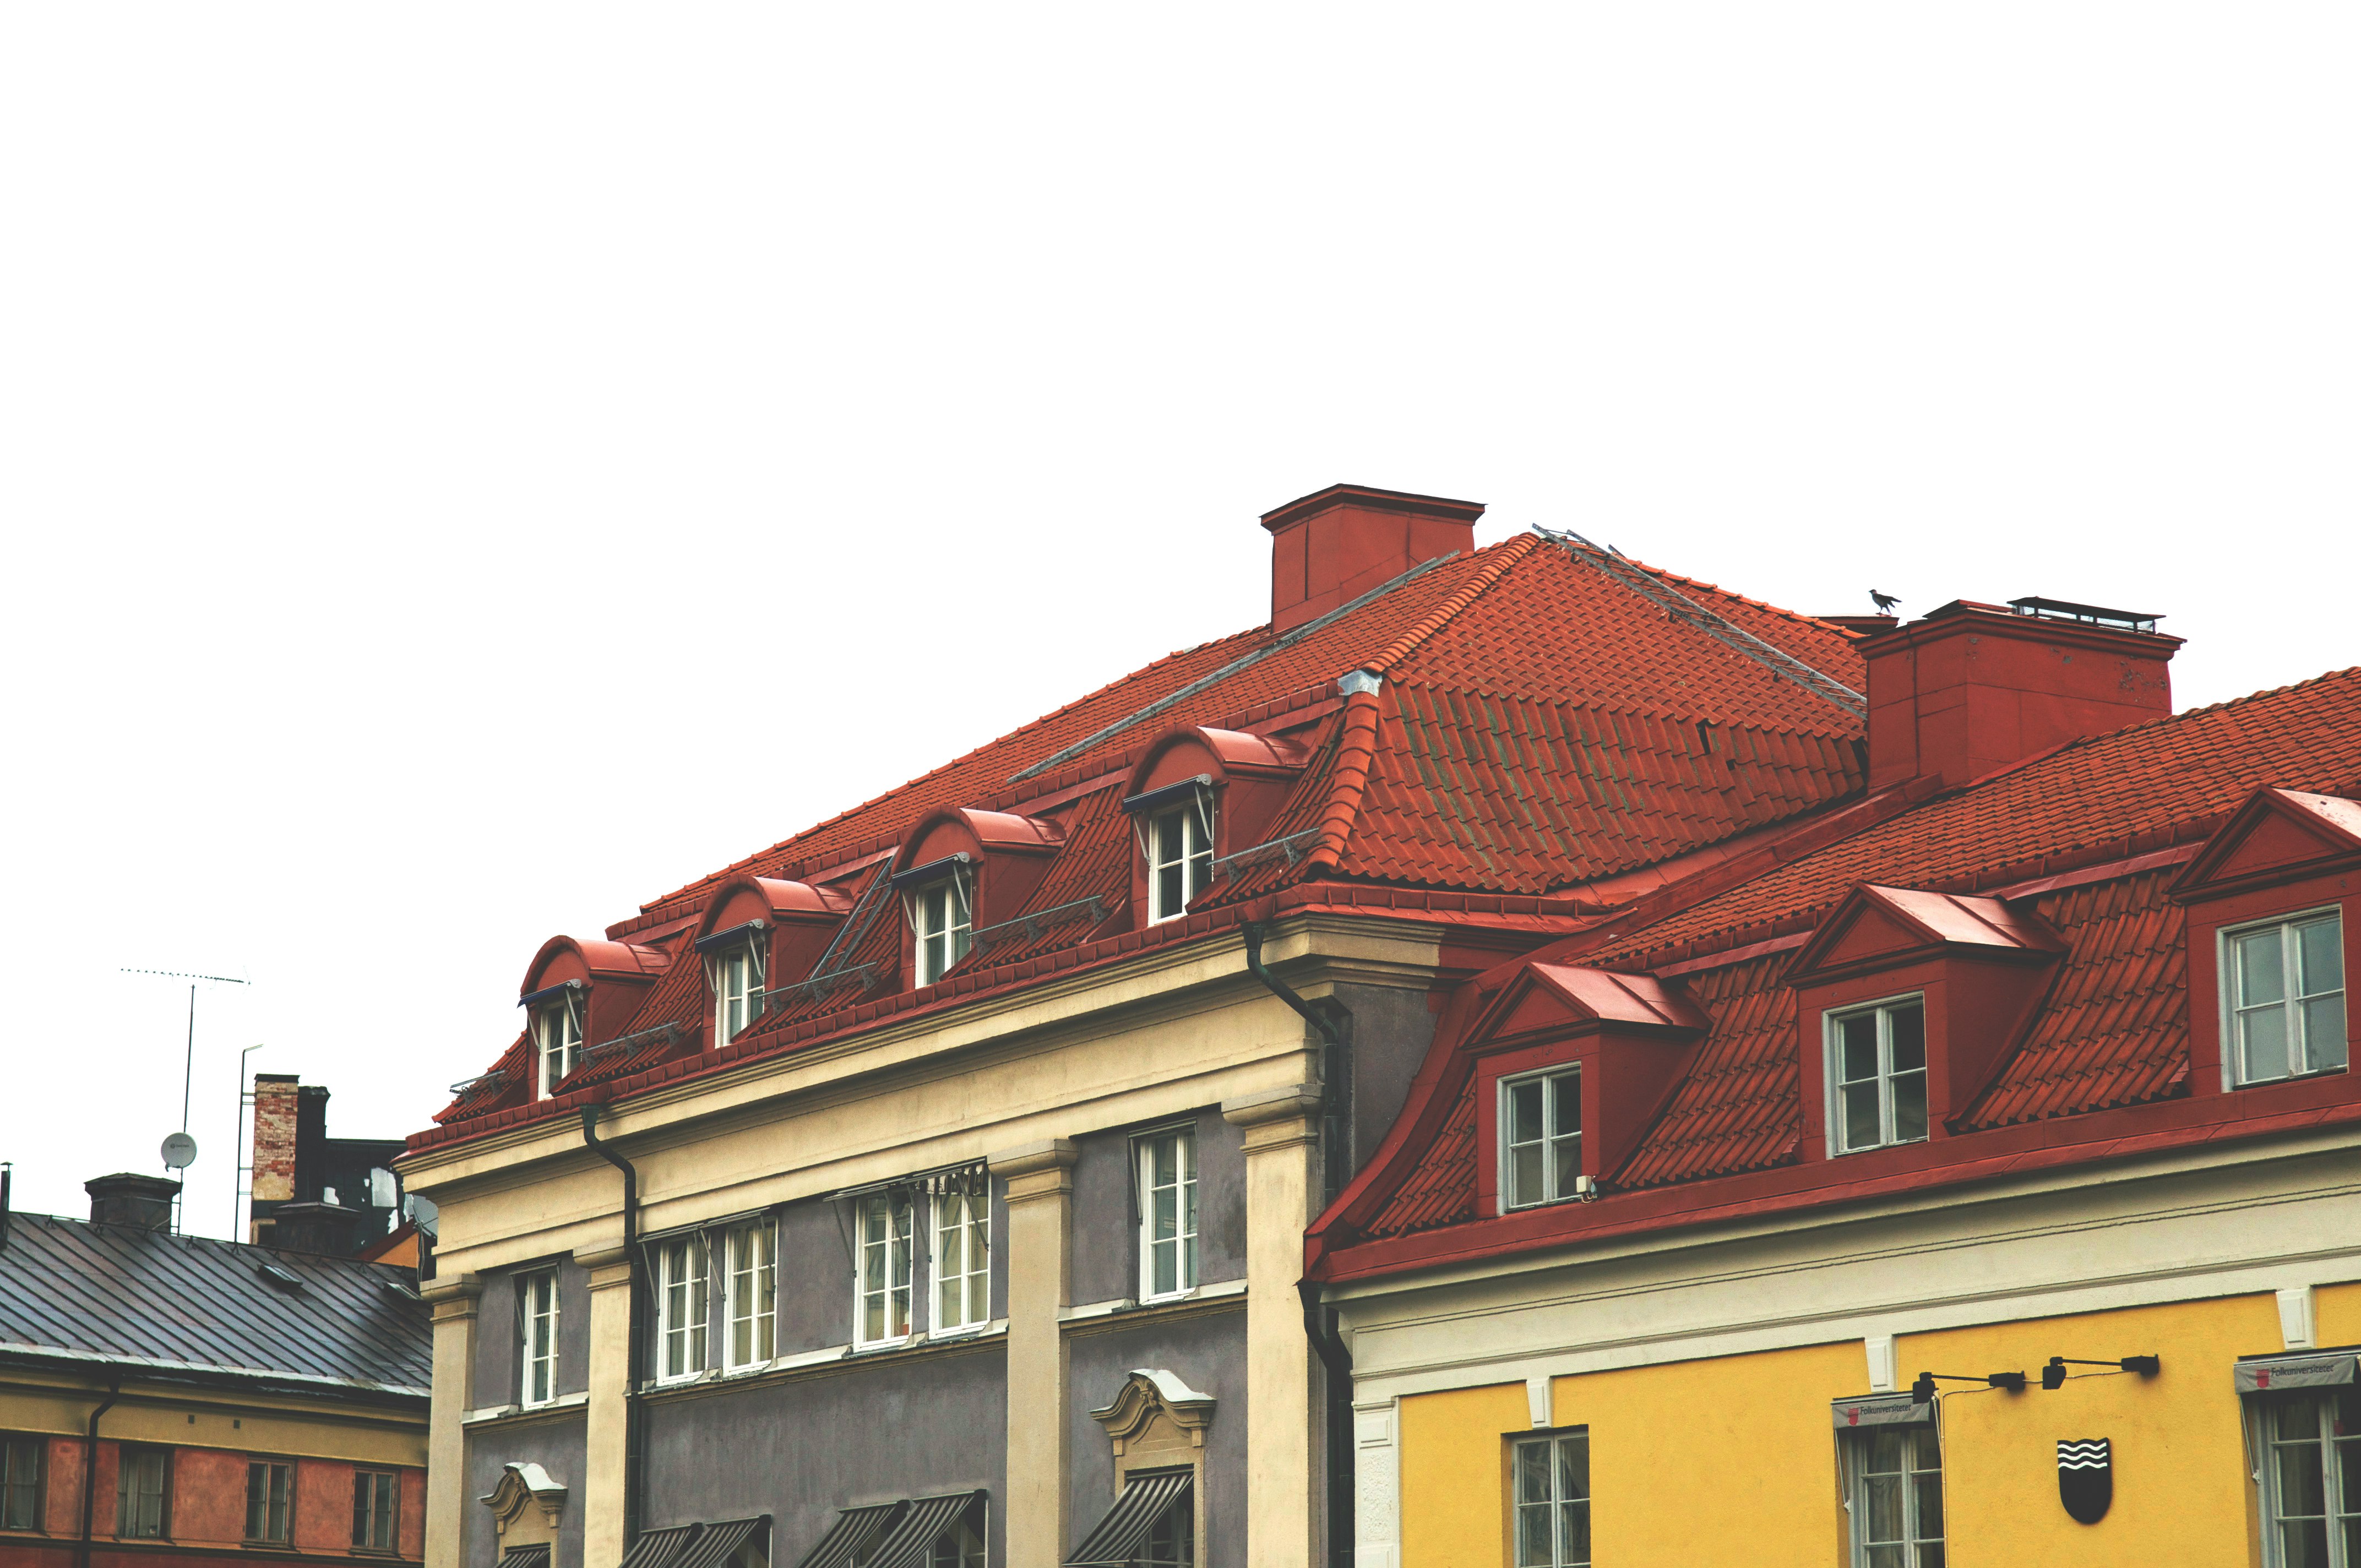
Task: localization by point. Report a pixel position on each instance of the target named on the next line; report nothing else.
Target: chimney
(143, 1202)
(327, 1229)
(274, 1137)
(1973, 687)
(1328, 549)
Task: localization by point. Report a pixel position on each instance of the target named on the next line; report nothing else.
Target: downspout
(1319, 1318)
(633, 1412)
(90, 1467)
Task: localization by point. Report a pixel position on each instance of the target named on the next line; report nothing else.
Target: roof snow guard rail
(1228, 866)
(1682, 607)
(1095, 904)
(469, 1085)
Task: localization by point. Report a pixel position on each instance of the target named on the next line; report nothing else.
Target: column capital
(607, 1266)
(1042, 1169)
(454, 1299)
(1275, 1118)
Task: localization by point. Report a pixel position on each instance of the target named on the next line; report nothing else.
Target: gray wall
(869, 1429)
(1392, 1031)
(498, 1348)
(815, 1278)
(555, 1443)
(1106, 1231)
(1206, 1351)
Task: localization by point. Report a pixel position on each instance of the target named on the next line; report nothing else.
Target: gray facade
(553, 1441)
(1206, 1349)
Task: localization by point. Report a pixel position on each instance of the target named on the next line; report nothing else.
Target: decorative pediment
(2276, 836)
(1877, 926)
(1552, 1001)
(1155, 1411)
(519, 1485)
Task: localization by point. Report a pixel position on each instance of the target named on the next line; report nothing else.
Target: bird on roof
(1885, 602)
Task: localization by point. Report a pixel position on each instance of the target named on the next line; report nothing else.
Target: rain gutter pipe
(90, 1467)
(633, 1410)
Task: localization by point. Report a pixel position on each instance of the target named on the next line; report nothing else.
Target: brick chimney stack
(1328, 549)
(275, 1096)
(1972, 687)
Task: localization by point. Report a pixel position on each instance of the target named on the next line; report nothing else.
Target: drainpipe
(90, 1467)
(1319, 1318)
(633, 1409)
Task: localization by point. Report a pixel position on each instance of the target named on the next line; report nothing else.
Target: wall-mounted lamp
(2054, 1374)
(1923, 1389)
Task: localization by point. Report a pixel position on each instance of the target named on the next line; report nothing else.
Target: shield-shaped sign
(2086, 1477)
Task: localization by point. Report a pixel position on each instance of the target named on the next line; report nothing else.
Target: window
(882, 1312)
(20, 1483)
(376, 1510)
(1541, 1137)
(752, 1294)
(958, 1547)
(1552, 1482)
(1894, 1490)
(557, 1040)
(1172, 1539)
(737, 972)
(940, 914)
(2311, 1481)
(2287, 997)
(270, 1498)
(1878, 1060)
(538, 1304)
(962, 1260)
(1168, 1214)
(681, 1300)
(1179, 857)
(139, 1481)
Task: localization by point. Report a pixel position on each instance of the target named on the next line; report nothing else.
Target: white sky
(469, 469)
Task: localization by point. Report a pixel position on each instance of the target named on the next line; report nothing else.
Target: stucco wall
(1392, 1031)
(497, 1340)
(1206, 1351)
(555, 1443)
(1105, 1235)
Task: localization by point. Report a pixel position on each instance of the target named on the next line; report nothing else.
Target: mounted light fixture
(1923, 1389)
(2054, 1374)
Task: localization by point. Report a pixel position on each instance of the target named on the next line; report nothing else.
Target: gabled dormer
(1907, 1002)
(2270, 919)
(1197, 797)
(966, 871)
(1572, 1065)
(760, 932)
(577, 992)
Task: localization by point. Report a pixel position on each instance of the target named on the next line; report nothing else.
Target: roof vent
(2088, 614)
(127, 1198)
(278, 1279)
(398, 1291)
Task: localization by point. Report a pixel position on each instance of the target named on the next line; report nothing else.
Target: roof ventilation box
(1330, 548)
(143, 1202)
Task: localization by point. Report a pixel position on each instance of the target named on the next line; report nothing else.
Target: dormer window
(1180, 859)
(1877, 1074)
(2286, 991)
(733, 969)
(942, 916)
(557, 1017)
(1541, 1137)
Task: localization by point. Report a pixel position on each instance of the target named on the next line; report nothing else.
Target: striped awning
(720, 1543)
(912, 1539)
(657, 1548)
(851, 1536)
(526, 1556)
(1116, 1538)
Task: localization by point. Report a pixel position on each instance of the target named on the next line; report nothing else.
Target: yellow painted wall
(1734, 1459)
(2338, 1311)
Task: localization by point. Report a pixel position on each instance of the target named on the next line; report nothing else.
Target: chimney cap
(131, 1183)
(1376, 499)
(2089, 614)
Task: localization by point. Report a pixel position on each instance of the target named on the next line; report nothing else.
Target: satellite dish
(180, 1151)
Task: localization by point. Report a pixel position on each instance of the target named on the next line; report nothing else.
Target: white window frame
(563, 1016)
(749, 1295)
(1195, 862)
(958, 935)
(1833, 1059)
(1561, 1554)
(684, 1294)
(1554, 1081)
(1854, 1450)
(734, 975)
(895, 1253)
(538, 1348)
(2337, 1507)
(2234, 1043)
(961, 1231)
(1184, 1243)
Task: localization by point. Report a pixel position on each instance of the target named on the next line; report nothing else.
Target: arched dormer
(576, 992)
(1198, 796)
(757, 933)
(966, 870)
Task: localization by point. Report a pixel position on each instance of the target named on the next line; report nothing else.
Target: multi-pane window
(1877, 1058)
(958, 1547)
(2287, 1001)
(881, 1314)
(1541, 1137)
(1172, 1539)
(2311, 1481)
(737, 991)
(1894, 1490)
(1553, 1501)
(1180, 859)
(1168, 1213)
(940, 912)
(537, 1307)
(270, 1500)
(376, 1510)
(139, 1482)
(20, 1483)
(962, 1260)
(557, 1041)
(681, 1303)
(751, 1295)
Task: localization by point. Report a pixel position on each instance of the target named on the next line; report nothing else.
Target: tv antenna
(179, 1144)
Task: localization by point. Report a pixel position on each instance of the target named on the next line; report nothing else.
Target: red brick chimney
(275, 1096)
(1972, 687)
(1328, 549)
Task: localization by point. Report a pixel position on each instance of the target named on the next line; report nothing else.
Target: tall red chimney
(1330, 548)
(1972, 687)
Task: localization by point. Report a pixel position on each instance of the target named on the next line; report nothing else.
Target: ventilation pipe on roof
(7, 1171)
(635, 1353)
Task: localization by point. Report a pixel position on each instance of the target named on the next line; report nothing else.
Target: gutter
(150, 1369)
(90, 1467)
(634, 1411)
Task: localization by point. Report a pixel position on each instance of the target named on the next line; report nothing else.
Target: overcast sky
(468, 470)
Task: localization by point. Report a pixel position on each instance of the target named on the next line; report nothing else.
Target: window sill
(2337, 1071)
(1211, 1290)
(564, 1402)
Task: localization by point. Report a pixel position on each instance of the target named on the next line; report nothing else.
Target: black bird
(1885, 602)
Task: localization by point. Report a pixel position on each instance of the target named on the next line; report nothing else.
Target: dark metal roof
(147, 1301)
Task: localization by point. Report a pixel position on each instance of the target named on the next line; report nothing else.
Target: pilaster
(454, 1302)
(1283, 1145)
(1040, 1179)
(607, 1420)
